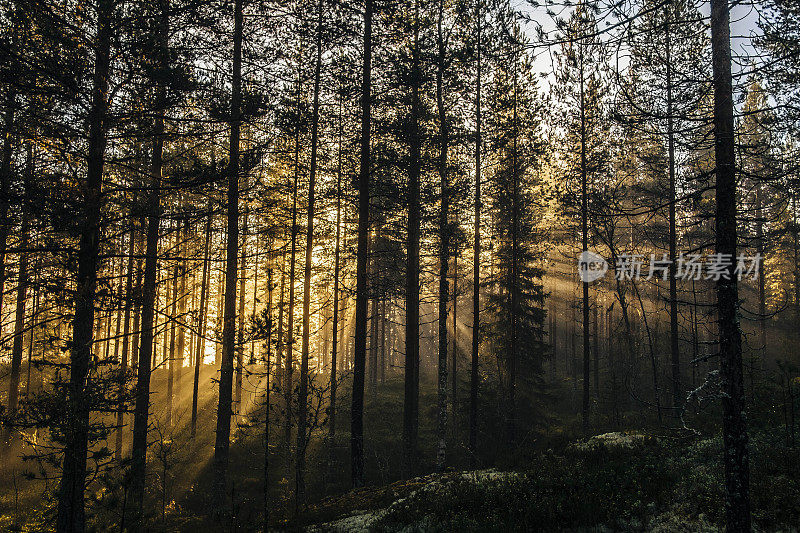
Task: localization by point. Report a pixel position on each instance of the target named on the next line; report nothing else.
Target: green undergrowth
(622, 482)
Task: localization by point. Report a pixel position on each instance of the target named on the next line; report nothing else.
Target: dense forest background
(295, 264)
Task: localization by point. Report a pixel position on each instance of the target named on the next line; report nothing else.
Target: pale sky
(744, 26)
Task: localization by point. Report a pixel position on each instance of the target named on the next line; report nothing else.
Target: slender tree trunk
(169, 354)
(596, 346)
(279, 333)
(512, 354)
(265, 526)
(476, 257)
(201, 321)
(734, 425)
(182, 297)
(585, 246)
(71, 517)
(677, 385)
(237, 395)
(357, 410)
(336, 274)
(305, 348)
(289, 366)
(142, 406)
(19, 315)
(5, 182)
(126, 323)
(220, 305)
(411, 392)
(454, 360)
(120, 294)
(444, 248)
(762, 296)
(253, 314)
(224, 409)
(372, 369)
(382, 342)
(32, 326)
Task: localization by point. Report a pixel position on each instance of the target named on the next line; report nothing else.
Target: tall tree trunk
(32, 325)
(336, 274)
(125, 344)
(411, 392)
(677, 385)
(382, 342)
(137, 298)
(305, 349)
(596, 346)
(5, 183)
(289, 365)
(142, 406)
(511, 409)
(201, 320)
(444, 245)
(476, 254)
(182, 297)
(734, 425)
(372, 368)
(279, 332)
(19, 315)
(71, 515)
(585, 246)
(224, 409)
(454, 361)
(762, 296)
(220, 304)
(253, 314)
(360, 351)
(265, 525)
(169, 354)
(237, 395)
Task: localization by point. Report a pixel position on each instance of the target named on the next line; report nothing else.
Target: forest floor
(621, 481)
(652, 479)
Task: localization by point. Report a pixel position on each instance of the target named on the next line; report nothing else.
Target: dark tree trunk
(237, 394)
(734, 425)
(169, 354)
(224, 409)
(584, 247)
(19, 314)
(125, 346)
(142, 406)
(360, 351)
(476, 258)
(5, 183)
(182, 297)
(382, 342)
(336, 272)
(762, 297)
(411, 393)
(454, 359)
(305, 348)
(289, 365)
(71, 515)
(19, 318)
(373, 288)
(596, 346)
(444, 246)
(201, 321)
(511, 409)
(677, 385)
